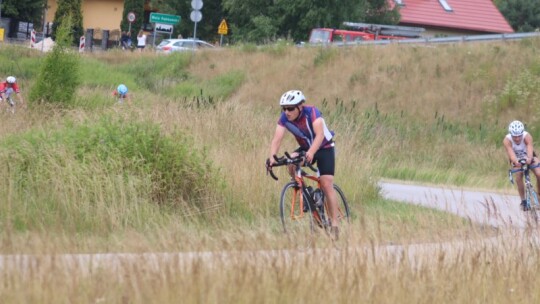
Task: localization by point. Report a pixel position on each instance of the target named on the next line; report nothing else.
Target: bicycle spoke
(292, 214)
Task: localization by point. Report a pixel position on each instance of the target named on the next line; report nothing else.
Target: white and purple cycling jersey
(302, 128)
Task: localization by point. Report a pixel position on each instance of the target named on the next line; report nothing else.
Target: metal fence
(440, 40)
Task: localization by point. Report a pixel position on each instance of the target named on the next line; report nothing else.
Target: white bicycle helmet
(516, 128)
(11, 79)
(292, 98)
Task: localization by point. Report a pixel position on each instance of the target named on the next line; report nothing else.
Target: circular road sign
(196, 4)
(195, 16)
(131, 16)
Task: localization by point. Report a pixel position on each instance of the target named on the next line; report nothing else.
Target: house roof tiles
(477, 15)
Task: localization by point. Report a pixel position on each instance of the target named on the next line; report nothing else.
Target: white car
(179, 45)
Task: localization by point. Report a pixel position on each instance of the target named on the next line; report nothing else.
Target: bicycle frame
(318, 213)
(299, 177)
(530, 194)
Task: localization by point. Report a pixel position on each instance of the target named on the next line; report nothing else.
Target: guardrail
(453, 39)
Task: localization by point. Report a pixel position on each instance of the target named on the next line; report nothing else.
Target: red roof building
(450, 17)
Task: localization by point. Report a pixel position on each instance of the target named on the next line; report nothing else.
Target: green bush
(59, 77)
(109, 174)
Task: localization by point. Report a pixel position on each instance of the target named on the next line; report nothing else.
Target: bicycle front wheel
(343, 206)
(291, 210)
(532, 201)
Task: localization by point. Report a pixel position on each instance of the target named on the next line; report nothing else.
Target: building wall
(97, 14)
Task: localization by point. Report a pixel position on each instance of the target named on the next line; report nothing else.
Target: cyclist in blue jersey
(307, 125)
(518, 144)
(121, 92)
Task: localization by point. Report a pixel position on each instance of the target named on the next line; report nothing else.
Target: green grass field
(182, 170)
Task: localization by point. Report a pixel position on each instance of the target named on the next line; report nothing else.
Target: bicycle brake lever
(311, 167)
(269, 170)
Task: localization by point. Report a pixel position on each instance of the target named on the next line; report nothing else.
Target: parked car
(179, 45)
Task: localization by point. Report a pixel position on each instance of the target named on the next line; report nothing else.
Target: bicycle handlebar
(288, 160)
(524, 168)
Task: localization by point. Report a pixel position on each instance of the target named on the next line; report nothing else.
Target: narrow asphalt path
(497, 210)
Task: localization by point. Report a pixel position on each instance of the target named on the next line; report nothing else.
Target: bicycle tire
(293, 217)
(343, 206)
(532, 201)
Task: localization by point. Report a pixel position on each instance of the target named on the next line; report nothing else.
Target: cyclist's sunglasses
(288, 109)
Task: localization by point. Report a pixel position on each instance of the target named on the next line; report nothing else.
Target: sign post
(223, 29)
(196, 16)
(161, 20)
(131, 19)
(81, 44)
(32, 38)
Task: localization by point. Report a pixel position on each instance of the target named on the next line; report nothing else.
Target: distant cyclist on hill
(8, 88)
(518, 144)
(121, 93)
(307, 125)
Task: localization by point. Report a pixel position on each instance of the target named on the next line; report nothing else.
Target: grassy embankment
(104, 177)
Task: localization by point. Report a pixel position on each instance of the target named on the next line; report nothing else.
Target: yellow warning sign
(223, 28)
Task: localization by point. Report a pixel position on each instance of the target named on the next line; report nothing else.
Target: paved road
(498, 210)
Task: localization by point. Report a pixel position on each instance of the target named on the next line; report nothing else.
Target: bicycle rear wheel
(291, 210)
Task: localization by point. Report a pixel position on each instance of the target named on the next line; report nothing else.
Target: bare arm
(276, 142)
(510, 152)
(318, 127)
(529, 144)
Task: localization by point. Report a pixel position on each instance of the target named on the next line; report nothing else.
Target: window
(399, 2)
(446, 6)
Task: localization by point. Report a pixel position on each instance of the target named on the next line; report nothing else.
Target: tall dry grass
(411, 112)
(499, 270)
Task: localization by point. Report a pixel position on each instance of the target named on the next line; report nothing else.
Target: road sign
(164, 18)
(164, 28)
(131, 17)
(197, 4)
(195, 16)
(223, 28)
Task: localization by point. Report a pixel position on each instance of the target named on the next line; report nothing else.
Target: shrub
(109, 173)
(59, 76)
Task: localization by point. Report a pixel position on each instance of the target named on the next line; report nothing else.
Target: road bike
(303, 205)
(11, 104)
(531, 196)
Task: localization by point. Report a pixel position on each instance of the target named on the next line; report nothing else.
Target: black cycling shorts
(325, 159)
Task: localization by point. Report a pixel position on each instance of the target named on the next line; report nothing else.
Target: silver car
(178, 45)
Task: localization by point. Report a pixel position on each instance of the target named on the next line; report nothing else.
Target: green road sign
(164, 18)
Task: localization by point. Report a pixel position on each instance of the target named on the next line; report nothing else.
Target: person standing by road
(141, 40)
(307, 125)
(518, 145)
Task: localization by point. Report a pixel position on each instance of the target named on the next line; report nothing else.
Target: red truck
(363, 32)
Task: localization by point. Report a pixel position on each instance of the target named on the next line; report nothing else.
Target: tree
(523, 15)
(70, 8)
(58, 77)
(137, 7)
(25, 10)
(294, 19)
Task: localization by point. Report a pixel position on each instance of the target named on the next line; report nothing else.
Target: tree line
(260, 21)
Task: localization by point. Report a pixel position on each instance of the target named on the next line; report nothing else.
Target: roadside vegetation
(182, 169)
